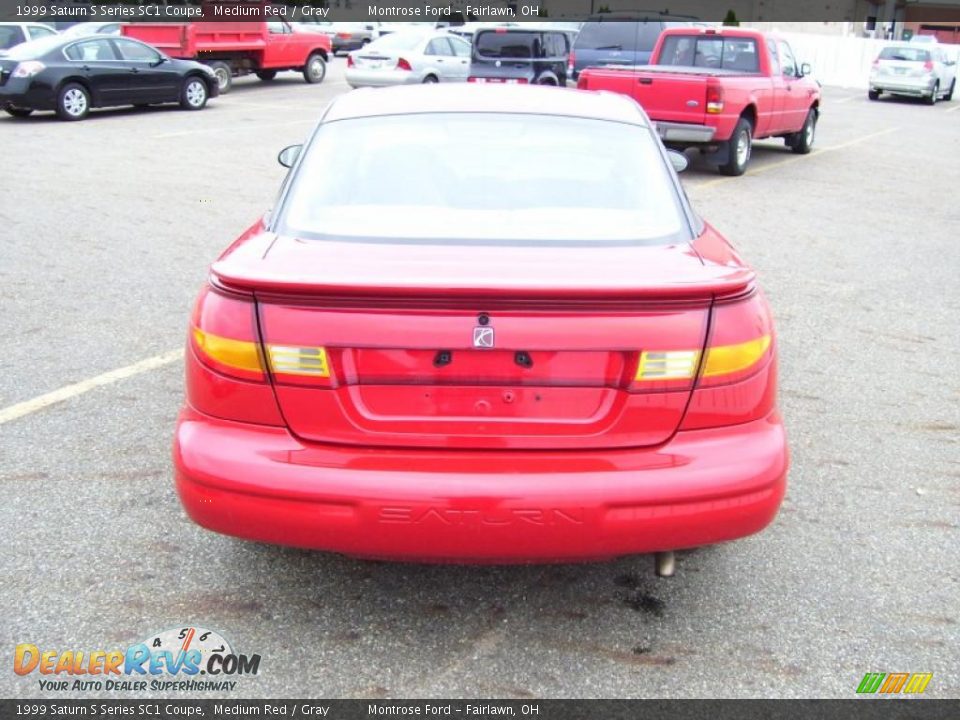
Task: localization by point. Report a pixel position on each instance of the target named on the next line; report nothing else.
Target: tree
(731, 19)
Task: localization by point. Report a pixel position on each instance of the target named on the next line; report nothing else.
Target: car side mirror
(678, 160)
(159, 61)
(805, 70)
(288, 156)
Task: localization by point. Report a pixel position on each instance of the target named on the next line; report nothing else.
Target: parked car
(93, 28)
(917, 70)
(72, 75)
(718, 90)
(519, 55)
(497, 333)
(620, 38)
(353, 35)
(14, 33)
(409, 56)
(238, 48)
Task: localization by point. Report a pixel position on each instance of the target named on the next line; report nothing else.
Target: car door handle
(134, 70)
(645, 81)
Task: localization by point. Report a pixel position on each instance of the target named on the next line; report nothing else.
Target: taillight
(572, 61)
(344, 35)
(29, 68)
(349, 60)
(583, 80)
(224, 336)
(736, 381)
(402, 64)
(473, 79)
(928, 66)
(298, 365)
(714, 97)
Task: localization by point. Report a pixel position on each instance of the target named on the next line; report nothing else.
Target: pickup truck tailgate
(664, 94)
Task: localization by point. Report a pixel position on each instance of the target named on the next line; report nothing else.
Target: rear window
(738, 54)
(627, 36)
(397, 41)
(520, 179)
(910, 54)
(515, 45)
(497, 45)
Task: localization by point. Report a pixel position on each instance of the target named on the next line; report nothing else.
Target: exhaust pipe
(665, 563)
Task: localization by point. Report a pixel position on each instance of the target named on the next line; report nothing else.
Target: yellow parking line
(797, 158)
(70, 391)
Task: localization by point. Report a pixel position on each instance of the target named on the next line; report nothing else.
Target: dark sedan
(73, 75)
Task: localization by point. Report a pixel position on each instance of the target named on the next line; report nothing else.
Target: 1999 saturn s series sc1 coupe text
(522, 348)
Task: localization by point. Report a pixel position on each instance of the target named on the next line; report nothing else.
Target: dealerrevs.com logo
(168, 661)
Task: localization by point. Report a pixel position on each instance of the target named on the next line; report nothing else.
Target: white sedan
(409, 57)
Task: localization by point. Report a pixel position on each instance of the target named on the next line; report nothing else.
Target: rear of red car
(479, 401)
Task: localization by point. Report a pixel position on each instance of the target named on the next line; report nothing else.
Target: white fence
(843, 61)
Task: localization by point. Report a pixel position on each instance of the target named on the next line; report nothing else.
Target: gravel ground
(109, 225)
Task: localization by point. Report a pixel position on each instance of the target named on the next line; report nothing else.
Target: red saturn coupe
(482, 324)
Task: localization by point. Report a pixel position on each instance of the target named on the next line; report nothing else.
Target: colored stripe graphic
(894, 683)
(918, 682)
(870, 682)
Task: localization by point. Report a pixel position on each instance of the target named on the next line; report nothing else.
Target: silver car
(920, 70)
(409, 57)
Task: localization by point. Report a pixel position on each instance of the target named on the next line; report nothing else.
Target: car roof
(485, 98)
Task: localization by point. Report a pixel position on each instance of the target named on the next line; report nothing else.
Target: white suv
(916, 69)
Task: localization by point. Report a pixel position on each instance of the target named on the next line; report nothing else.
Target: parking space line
(797, 158)
(79, 388)
(954, 108)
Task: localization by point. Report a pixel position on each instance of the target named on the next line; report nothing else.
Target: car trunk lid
(540, 353)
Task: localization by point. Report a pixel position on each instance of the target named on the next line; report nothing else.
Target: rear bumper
(917, 87)
(262, 483)
(27, 93)
(685, 132)
(359, 77)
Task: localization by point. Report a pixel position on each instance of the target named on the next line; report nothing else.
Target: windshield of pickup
(484, 178)
(720, 53)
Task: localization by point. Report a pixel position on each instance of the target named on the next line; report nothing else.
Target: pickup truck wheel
(266, 75)
(223, 74)
(316, 69)
(932, 99)
(18, 112)
(873, 94)
(803, 142)
(194, 94)
(73, 102)
(739, 148)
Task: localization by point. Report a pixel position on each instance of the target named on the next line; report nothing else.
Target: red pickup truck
(236, 48)
(718, 89)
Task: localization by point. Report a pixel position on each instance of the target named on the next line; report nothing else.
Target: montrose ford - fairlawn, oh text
(478, 11)
(448, 710)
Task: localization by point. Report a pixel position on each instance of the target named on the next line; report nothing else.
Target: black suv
(621, 38)
(518, 55)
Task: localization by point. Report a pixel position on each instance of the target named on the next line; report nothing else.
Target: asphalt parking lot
(109, 225)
